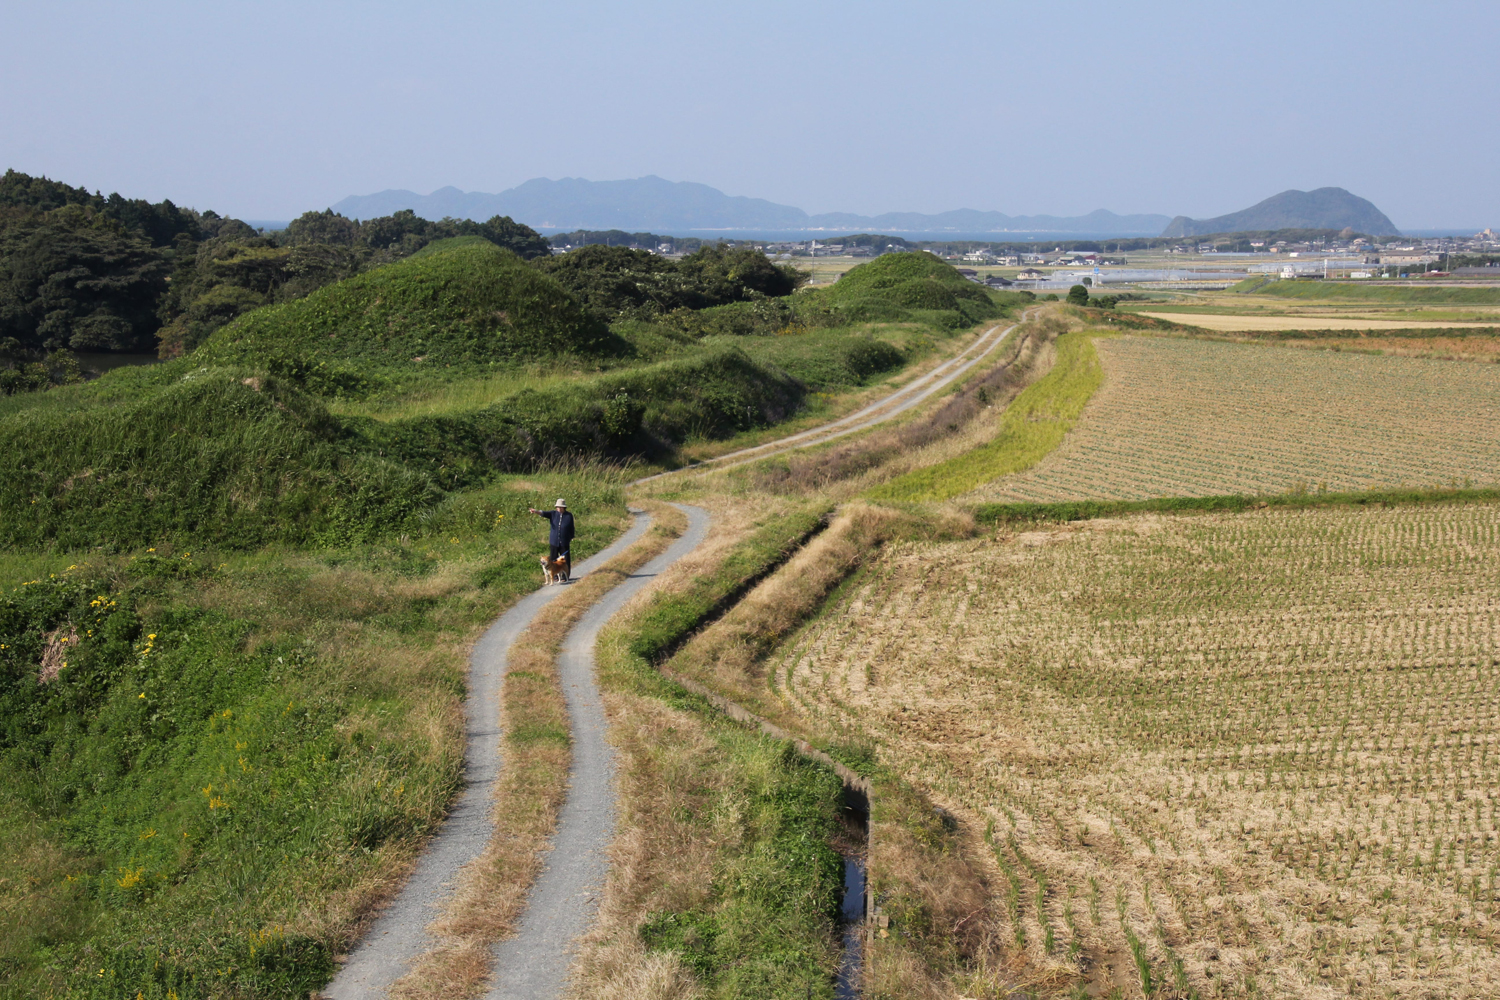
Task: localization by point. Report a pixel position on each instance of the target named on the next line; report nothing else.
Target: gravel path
(878, 412)
(533, 965)
(400, 934)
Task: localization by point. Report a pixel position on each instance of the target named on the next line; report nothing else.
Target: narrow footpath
(533, 965)
(914, 392)
(400, 934)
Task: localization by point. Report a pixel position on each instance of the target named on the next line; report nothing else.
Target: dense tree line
(86, 272)
(617, 282)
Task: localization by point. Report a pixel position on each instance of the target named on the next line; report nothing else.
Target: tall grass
(1030, 428)
(241, 752)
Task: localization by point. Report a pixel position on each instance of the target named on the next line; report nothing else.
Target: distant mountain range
(651, 204)
(1325, 208)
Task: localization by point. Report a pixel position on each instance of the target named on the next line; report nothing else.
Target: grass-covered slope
(908, 285)
(465, 304)
(212, 764)
(217, 456)
(227, 456)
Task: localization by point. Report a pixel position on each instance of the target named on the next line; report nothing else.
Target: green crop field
(1195, 418)
(1214, 755)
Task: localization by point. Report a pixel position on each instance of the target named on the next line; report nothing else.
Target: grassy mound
(463, 304)
(902, 286)
(229, 457)
(641, 411)
(217, 456)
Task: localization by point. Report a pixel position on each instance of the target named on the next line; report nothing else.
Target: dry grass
(659, 862)
(492, 891)
(1193, 418)
(727, 656)
(934, 894)
(1462, 347)
(1229, 323)
(942, 429)
(1247, 755)
(958, 423)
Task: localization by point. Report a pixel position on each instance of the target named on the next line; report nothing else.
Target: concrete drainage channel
(858, 913)
(856, 903)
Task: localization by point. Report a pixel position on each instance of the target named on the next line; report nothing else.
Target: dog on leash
(555, 570)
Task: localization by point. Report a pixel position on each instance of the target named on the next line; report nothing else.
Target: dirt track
(883, 409)
(400, 934)
(533, 964)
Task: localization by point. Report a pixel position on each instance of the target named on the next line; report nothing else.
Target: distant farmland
(1428, 294)
(1243, 755)
(1223, 322)
(1197, 418)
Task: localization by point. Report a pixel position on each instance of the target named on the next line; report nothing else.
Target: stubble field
(1200, 418)
(1247, 755)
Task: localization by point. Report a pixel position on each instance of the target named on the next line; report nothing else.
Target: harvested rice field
(1201, 418)
(1252, 755)
(1230, 323)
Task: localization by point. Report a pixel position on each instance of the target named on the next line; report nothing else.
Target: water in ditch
(852, 915)
(854, 844)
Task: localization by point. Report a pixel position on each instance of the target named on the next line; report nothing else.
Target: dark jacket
(561, 534)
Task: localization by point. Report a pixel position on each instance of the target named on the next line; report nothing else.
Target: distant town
(1209, 262)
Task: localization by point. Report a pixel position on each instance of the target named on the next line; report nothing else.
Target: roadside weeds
(532, 787)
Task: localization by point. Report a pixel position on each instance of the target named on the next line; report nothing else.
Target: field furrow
(1252, 754)
(1199, 418)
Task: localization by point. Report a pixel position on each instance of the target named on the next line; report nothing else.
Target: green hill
(901, 286)
(1324, 208)
(466, 304)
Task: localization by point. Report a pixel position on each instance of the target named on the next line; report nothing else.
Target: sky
(264, 110)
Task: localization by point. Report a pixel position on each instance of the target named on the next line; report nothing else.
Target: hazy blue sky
(263, 110)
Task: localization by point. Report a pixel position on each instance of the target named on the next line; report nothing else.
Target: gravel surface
(533, 965)
(400, 933)
(878, 412)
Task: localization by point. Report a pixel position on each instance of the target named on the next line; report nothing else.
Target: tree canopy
(84, 271)
(617, 282)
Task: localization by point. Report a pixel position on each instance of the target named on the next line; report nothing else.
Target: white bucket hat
(559, 503)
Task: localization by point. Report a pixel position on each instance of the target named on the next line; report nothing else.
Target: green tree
(521, 240)
(73, 279)
(326, 226)
(1078, 295)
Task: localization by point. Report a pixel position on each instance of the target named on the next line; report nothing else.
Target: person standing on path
(560, 536)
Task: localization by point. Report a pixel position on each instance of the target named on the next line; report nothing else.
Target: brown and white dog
(555, 570)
